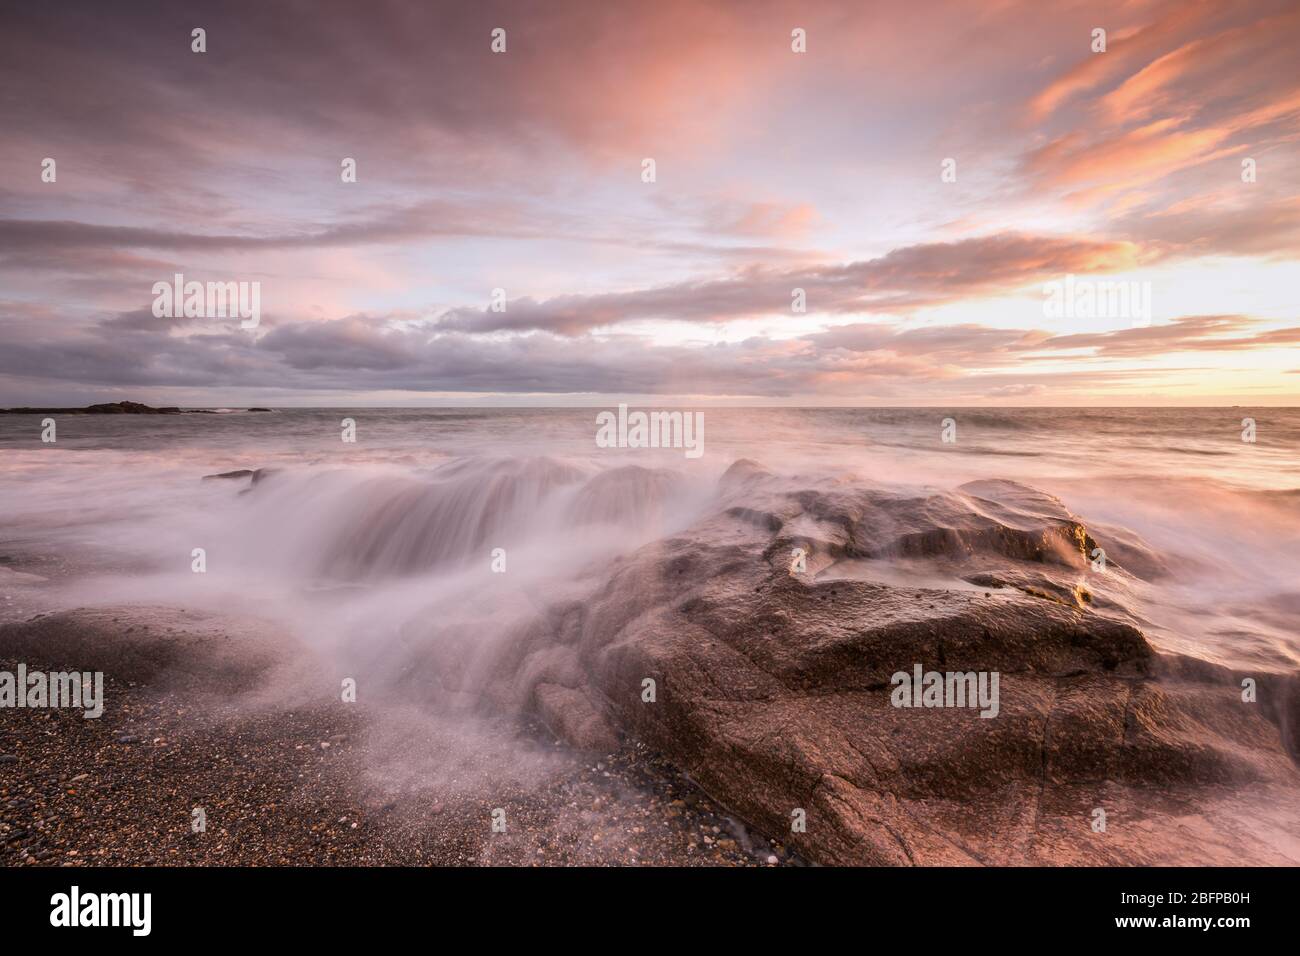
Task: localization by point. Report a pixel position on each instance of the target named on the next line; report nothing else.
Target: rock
(774, 690)
(1035, 584)
(256, 474)
(8, 758)
(111, 408)
(570, 714)
(129, 408)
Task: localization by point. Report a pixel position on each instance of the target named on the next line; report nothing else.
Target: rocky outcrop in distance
(111, 408)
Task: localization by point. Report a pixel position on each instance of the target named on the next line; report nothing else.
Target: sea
(415, 525)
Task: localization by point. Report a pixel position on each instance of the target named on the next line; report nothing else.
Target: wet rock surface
(256, 474)
(772, 689)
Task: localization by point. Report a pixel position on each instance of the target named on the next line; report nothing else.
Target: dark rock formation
(257, 474)
(241, 473)
(112, 408)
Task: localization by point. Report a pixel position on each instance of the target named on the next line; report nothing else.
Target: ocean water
(376, 549)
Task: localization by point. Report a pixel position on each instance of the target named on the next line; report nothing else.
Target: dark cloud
(364, 353)
(422, 221)
(906, 278)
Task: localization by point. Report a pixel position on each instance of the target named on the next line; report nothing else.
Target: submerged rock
(231, 475)
(256, 474)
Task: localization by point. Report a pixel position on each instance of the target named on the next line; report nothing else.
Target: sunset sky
(775, 170)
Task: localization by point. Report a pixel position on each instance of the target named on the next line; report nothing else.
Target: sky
(925, 178)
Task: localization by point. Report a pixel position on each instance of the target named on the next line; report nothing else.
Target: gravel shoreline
(309, 785)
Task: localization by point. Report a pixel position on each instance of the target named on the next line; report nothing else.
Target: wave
(359, 524)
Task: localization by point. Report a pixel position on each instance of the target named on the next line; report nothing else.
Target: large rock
(773, 688)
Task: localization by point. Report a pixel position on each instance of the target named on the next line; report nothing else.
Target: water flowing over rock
(772, 688)
(750, 629)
